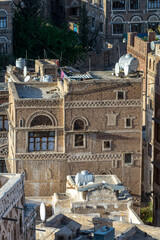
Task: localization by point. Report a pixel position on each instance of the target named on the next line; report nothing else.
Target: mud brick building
(16, 217)
(141, 49)
(61, 128)
(4, 98)
(6, 26)
(131, 16)
(154, 82)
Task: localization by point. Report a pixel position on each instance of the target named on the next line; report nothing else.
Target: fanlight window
(41, 120)
(79, 125)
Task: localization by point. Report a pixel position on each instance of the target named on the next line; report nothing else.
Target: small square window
(128, 158)
(128, 122)
(79, 140)
(106, 145)
(120, 95)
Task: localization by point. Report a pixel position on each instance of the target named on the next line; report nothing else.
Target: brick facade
(6, 27)
(96, 104)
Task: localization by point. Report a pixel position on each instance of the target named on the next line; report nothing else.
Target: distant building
(130, 16)
(141, 49)
(69, 11)
(17, 217)
(6, 27)
(115, 18)
(4, 127)
(88, 121)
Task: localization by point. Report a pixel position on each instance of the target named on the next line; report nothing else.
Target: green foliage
(32, 34)
(5, 60)
(147, 214)
(86, 37)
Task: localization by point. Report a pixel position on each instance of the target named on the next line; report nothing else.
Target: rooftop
(106, 77)
(38, 90)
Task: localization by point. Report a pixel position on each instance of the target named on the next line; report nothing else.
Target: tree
(86, 37)
(33, 34)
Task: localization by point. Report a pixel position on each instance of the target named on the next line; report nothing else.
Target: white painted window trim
(128, 164)
(125, 119)
(84, 140)
(120, 90)
(107, 149)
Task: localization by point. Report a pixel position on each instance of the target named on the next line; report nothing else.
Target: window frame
(47, 136)
(131, 122)
(134, 9)
(113, 33)
(4, 118)
(130, 163)
(6, 22)
(123, 9)
(4, 48)
(74, 140)
(107, 149)
(124, 95)
(3, 166)
(155, 8)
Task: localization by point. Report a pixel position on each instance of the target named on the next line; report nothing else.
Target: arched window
(153, 22)
(79, 124)
(118, 25)
(136, 24)
(41, 120)
(74, 8)
(3, 45)
(3, 19)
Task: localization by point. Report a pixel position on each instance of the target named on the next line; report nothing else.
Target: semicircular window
(41, 120)
(79, 124)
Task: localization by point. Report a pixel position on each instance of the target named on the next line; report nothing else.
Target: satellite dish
(27, 78)
(117, 70)
(43, 212)
(126, 70)
(25, 71)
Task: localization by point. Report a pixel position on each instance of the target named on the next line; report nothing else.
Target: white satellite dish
(43, 212)
(25, 71)
(27, 78)
(126, 70)
(117, 70)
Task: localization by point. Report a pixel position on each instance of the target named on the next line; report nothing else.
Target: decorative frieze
(70, 158)
(94, 157)
(37, 103)
(104, 103)
(40, 157)
(4, 150)
(4, 135)
(10, 195)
